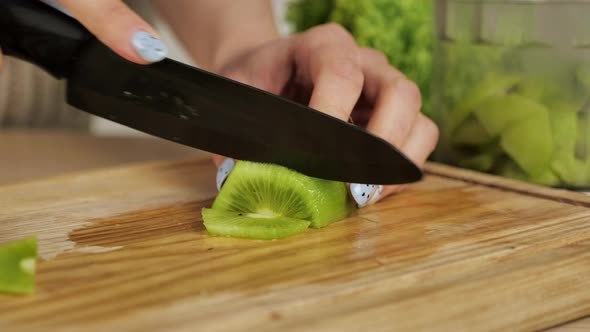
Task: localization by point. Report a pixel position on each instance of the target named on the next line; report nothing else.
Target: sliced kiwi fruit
(251, 225)
(494, 85)
(471, 133)
(569, 169)
(582, 149)
(583, 76)
(265, 201)
(481, 162)
(538, 89)
(564, 128)
(496, 114)
(511, 170)
(17, 266)
(530, 144)
(546, 178)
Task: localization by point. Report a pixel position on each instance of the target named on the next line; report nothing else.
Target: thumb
(119, 28)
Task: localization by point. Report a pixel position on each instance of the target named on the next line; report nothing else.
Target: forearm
(214, 31)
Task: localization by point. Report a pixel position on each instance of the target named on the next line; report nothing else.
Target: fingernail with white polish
(226, 167)
(365, 194)
(150, 48)
(375, 195)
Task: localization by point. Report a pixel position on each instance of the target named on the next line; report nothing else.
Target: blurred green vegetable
(402, 29)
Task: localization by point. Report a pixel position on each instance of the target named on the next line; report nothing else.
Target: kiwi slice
(495, 85)
(569, 169)
(471, 133)
(546, 178)
(265, 201)
(564, 126)
(511, 170)
(481, 162)
(582, 148)
(538, 89)
(530, 144)
(251, 225)
(17, 266)
(496, 114)
(583, 76)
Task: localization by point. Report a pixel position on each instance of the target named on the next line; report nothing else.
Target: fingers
(327, 60)
(396, 117)
(397, 100)
(119, 28)
(396, 111)
(420, 143)
(327, 57)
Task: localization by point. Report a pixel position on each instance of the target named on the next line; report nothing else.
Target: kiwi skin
(273, 192)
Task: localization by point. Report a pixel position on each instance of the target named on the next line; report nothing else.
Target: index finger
(119, 28)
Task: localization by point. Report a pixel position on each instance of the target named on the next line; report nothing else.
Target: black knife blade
(197, 108)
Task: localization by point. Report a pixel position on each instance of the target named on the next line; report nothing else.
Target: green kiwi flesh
(250, 225)
(17, 266)
(265, 201)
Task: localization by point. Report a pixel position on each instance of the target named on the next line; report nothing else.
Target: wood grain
(581, 325)
(125, 249)
(37, 154)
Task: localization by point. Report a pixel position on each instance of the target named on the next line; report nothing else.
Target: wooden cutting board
(125, 249)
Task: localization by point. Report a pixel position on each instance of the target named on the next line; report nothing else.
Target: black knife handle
(42, 35)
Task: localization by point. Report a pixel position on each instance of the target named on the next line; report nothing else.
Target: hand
(118, 27)
(325, 68)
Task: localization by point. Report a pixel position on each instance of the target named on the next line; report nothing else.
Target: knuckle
(334, 32)
(304, 45)
(402, 128)
(374, 55)
(348, 70)
(115, 10)
(338, 112)
(431, 130)
(410, 91)
(119, 16)
(337, 30)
